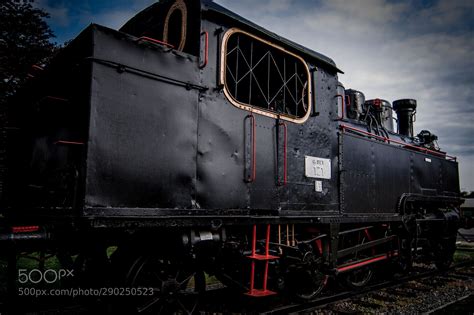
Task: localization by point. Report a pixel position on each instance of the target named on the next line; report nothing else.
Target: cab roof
(218, 11)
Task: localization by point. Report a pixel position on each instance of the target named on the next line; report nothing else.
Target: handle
(285, 159)
(348, 100)
(253, 173)
(206, 49)
(343, 105)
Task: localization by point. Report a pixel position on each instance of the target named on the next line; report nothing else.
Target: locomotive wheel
(90, 269)
(443, 252)
(358, 278)
(306, 282)
(404, 262)
(175, 288)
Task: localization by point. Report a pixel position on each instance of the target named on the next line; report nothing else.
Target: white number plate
(317, 167)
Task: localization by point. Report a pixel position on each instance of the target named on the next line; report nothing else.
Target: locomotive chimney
(406, 110)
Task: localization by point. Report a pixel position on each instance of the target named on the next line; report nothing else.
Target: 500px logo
(48, 275)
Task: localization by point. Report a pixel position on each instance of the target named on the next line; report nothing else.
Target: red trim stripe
(25, 229)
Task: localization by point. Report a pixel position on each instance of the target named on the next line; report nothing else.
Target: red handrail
(36, 67)
(285, 143)
(406, 145)
(55, 98)
(155, 41)
(206, 49)
(253, 172)
(69, 142)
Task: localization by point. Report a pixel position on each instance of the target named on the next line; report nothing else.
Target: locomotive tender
(195, 140)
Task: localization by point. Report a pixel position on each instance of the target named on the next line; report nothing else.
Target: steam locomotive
(193, 140)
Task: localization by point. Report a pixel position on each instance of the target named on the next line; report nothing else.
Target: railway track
(327, 301)
(228, 302)
(397, 287)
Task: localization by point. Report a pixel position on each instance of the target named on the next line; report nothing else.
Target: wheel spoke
(169, 280)
(149, 304)
(155, 274)
(185, 309)
(187, 279)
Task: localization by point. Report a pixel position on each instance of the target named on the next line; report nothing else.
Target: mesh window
(260, 75)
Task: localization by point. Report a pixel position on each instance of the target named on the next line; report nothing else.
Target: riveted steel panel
(142, 139)
(375, 175)
(221, 155)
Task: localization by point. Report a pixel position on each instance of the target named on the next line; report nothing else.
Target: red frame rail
(155, 41)
(403, 144)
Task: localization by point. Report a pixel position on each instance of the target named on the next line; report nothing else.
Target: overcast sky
(420, 49)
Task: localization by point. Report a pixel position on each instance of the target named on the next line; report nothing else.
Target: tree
(24, 41)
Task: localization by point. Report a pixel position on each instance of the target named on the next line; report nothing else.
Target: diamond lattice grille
(260, 75)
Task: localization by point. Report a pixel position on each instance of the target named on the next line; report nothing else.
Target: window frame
(254, 108)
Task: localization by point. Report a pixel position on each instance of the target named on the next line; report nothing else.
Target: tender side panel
(450, 177)
(374, 175)
(142, 146)
(434, 176)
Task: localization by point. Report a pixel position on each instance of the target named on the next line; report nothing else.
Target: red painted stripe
(153, 40)
(25, 229)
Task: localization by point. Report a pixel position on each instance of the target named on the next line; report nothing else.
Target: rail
(323, 301)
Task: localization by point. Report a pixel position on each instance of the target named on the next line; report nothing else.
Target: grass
(460, 255)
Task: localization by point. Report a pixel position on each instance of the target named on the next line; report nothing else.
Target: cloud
(388, 49)
(392, 50)
(69, 17)
(113, 19)
(59, 13)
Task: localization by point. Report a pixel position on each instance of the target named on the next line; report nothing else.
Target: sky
(388, 49)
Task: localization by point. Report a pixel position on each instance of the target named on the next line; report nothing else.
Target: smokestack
(406, 110)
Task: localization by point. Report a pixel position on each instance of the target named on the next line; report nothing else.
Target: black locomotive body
(197, 130)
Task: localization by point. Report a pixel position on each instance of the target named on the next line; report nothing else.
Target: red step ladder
(263, 258)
